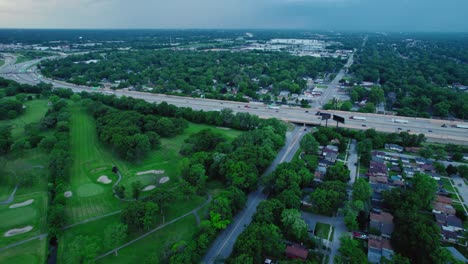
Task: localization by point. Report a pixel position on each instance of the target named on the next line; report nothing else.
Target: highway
(432, 128)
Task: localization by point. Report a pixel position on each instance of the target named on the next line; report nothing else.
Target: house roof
(444, 208)
(382, 217)
(378, 179)
(297, 251)
(376, 167)
(443, 199)
(454, 221)
(378, 243)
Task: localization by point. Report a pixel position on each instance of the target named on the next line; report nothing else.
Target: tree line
(213, 74)
(416, 74)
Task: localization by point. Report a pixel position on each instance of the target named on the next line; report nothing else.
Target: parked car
(359, 235)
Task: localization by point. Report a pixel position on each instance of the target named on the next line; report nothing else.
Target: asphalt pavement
(222, 247)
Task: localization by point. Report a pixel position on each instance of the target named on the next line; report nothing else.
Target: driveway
(352, 161)
(337, 223)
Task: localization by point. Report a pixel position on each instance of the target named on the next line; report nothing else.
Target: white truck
(361, 118)
(273, 107)
(401, 121)
(461, 126)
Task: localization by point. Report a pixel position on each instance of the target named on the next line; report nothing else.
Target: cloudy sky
(360, 15)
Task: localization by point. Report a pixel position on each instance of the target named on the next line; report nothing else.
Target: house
(449, 222)
(378, 154)
(394, 147)
(443, 199)
(395, 168)
(320, 173)
(427, 168)
(378, 247)
(420, 161)
(448, 235)
(404, 160)
(296, 252)
(329, 155)
(443, 208)
(378, 179)
(377, 169)
(383, 222)
(408, 171)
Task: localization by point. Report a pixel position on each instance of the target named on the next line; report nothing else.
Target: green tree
(338, 172)
(136, 190)
(115, 235)
(309, 144)
(293, 224)
(361, 190)
(83, 249)
(350, 252)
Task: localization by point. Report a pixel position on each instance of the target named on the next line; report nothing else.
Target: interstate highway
(19, 72)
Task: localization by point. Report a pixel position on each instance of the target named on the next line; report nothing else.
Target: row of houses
(381, 222)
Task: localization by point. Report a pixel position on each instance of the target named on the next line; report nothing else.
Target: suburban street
(222, 247)
(432, 128)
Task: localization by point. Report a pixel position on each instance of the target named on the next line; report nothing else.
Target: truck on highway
(273, 107)
(401, 121)
(361, 118)
(461, 126)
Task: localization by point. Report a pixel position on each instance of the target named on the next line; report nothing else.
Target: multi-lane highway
(432, 128)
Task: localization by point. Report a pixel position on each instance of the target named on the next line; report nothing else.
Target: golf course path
(153, 230)
(41, 236)
(12, 196)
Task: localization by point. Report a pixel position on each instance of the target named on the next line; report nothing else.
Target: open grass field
(322, 230)
(34, 112)
(33, 215)
(447, 185)
(32, 252)
(156, 243)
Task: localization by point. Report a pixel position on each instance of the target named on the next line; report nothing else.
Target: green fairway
(156, 243)
(31, 252)
(33, 215)
(34, 112)
(90, 198)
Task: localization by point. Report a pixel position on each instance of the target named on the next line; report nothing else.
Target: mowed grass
(32, 252)
(34, 112)
(31, 215)
(90, 160)
(322, 230)
(156, 243)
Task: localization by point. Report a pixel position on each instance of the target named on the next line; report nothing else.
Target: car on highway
(246, 106)
(429, 130)
(444, 125)
(409, 130)
(399, 128)
(307, 111)
(364, 125)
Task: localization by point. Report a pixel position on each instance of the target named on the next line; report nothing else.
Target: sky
(349, 15)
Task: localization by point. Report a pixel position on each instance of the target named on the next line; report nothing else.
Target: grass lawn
(322, 230)
(97, 228)
(156, 243)
(447, 185)
(31, 252)
(2, 62)
(321, 86)
(30, 215)
(34, 112)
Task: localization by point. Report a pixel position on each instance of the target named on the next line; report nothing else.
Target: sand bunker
(27, 202)
(150, 171)
(17, 231)
(104, 179)
(149, 188)
(68, 194)
(164, 179)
